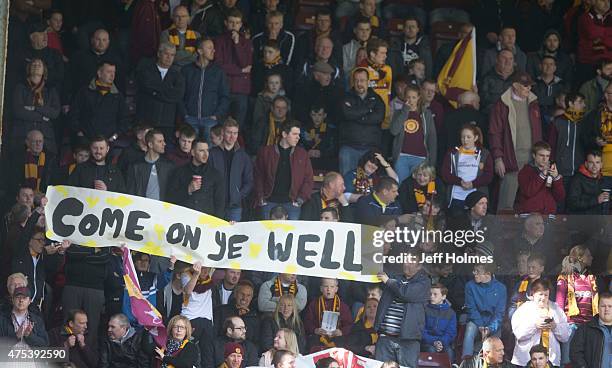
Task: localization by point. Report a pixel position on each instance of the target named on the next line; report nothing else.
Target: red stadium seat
(439, 360)
(395, 26)
(305, 18)
(444, 32)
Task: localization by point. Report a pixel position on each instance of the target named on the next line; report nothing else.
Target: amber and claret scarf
(34, 167)
(573, 115)
(37, 90)
(277, 288)
(421, 195)
(322, 308)
(274, 132)
(316, 133)
(190, 38)
(103, 88)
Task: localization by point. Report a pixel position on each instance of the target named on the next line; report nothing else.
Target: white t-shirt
(199, 305)
(225, 294)
(162, 71)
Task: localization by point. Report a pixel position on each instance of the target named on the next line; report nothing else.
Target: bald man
(31, 165)
(84, 64)
(181, 36)
(492, 355)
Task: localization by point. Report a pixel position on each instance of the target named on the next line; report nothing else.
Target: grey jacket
(397, 129)
(414, 293)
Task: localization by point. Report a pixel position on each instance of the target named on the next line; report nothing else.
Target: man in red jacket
(514, 124)
(283, 174)
(234, 53)
(540, 184)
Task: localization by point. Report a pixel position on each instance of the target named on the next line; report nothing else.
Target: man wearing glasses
(234, 330)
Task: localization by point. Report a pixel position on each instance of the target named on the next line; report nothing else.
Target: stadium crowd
(318, 111)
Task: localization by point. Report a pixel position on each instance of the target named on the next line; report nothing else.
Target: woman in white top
(285, 339)
(467, 168)
(539, 321)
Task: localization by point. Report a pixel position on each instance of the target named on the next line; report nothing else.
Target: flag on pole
(146, 314)
(459, 73)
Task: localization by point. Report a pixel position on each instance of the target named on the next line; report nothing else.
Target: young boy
(80, 154)
(181, 153)
(416, 71)
(535, 268)
(318, 139)
(440, 323)
(216, 135)
(317, 338)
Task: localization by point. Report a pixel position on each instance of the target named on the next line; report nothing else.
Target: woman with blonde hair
(577, 292)
(286, 315)
(285, 339)
(35, 106)
(179, 351)
(420, 186)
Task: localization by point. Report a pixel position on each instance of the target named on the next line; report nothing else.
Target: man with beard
(593, 90)
(97, 173)
(197, 185)
(234, 330)
(551, 47)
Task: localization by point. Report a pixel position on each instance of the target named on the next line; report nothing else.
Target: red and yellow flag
(459, 73)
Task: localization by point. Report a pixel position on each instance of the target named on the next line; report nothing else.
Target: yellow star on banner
(254, 250)
(235, 265)
(152, 248)
(49, 234)
(92, 202)
(276, 225)
(291, 269)
(347, 276)
(120, 201)
(212, 221)
(188, 258)
(89, 243)
(62, 189)
(167, 205)
(160, 231)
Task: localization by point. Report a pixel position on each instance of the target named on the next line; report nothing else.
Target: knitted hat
(473, 198)
(231, 348)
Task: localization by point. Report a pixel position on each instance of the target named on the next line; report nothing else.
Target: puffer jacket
(440, 324)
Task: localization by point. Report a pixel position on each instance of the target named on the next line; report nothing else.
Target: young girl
(415, 135)
(273, 87)
(467, 168)
(577, 292)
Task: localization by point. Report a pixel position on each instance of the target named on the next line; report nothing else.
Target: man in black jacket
(591, 347)
(240, 305)
(467, 112)
(234, 330)
(99, 108)
(586, 194)
(149, 177)
(161, 87)
(198, 185)
(97, 173)
(274, 31)
(362, 113)
(236, 167)
(330, 195)
(31, 331)
(123, 346)
(134, 152)
(81, 344)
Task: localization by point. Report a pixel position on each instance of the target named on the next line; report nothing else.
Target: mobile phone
(548, 320)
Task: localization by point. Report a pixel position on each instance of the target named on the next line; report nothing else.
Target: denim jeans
(431, 349)
(405, 352)
(565, 346)
(349, 158)
(405, 164)
(293, 211)
(471, 332)
(233, 214)
(201, 126)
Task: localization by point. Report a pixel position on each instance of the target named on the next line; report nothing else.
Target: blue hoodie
(486, 303)
(440, 324)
